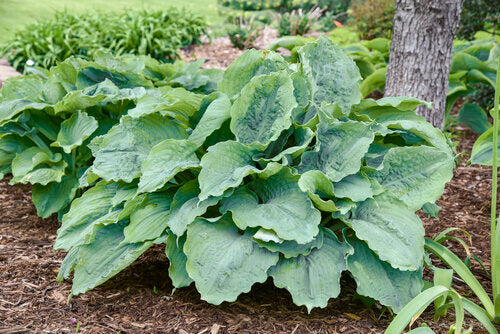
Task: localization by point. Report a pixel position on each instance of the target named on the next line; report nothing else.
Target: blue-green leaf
(313, 279)
(264, 109)
(277, 204)
(222, 262)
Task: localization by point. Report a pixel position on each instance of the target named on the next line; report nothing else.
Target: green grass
(15, 14)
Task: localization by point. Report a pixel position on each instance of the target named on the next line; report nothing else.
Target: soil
(139, 299)
(220, 53)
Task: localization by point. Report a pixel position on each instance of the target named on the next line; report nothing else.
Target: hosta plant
(47, 120)
(283, 172)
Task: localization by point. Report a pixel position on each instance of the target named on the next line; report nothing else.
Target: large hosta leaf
(22, 87)
(378, 280)
(277, 204)
(36, 165)
(313, 279)
(416, 175)
(391, 230)
(105, 92)
(482, 151)
(475, 117)
(105, 257)
(75, 130)
(248, 65)
(164, 161)
(319, 188)
(225, 165)
(222, 262)
(394, 118)
(276, 151)
(340, 148)
(11, 108)
(264, 109)
(54, 196)
(175, 102)
(269, 240)
(121, 152)
(177, 261)
(85, 212)
(356, 187)
(10, 145)
(333, 75)
(402, 103)
(186, 206)
(217, 112)
(150, 220)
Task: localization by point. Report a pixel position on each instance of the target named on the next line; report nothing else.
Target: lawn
(16, 13)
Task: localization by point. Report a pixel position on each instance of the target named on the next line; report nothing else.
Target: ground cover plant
(284, 171)
(158, 34)
(48, 119)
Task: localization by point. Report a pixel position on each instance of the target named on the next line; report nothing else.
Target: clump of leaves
(297, 22)
(373, 18)
(283, 172)
(336, 6)
(472, 75)
(158, 34)
(48, 120)
(479, 15)
(244, 32)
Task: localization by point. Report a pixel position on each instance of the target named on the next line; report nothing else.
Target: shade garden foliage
(472, 74)
(282, 170)
(47, 120)
(158, 34)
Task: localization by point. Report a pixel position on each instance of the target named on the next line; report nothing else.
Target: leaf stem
(494, 188)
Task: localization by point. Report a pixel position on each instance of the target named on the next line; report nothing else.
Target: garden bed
(138, 300)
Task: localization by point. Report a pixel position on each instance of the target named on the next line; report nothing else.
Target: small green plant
(158, 34)
(297, 22)
(244, 32)
(484, 152)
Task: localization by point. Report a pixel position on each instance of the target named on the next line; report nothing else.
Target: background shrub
(156, 33)
(373, 18)
(479, 15)
(244, 32)
(297, 22)
(286, 5)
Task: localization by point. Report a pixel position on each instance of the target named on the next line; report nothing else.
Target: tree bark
(421, 50)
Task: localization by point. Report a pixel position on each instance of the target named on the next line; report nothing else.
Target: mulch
(139, 299)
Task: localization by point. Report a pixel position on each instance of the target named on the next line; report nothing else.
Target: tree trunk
(421, 49)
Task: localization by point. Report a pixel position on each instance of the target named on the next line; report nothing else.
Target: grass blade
(414, 308)
(461, 269)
